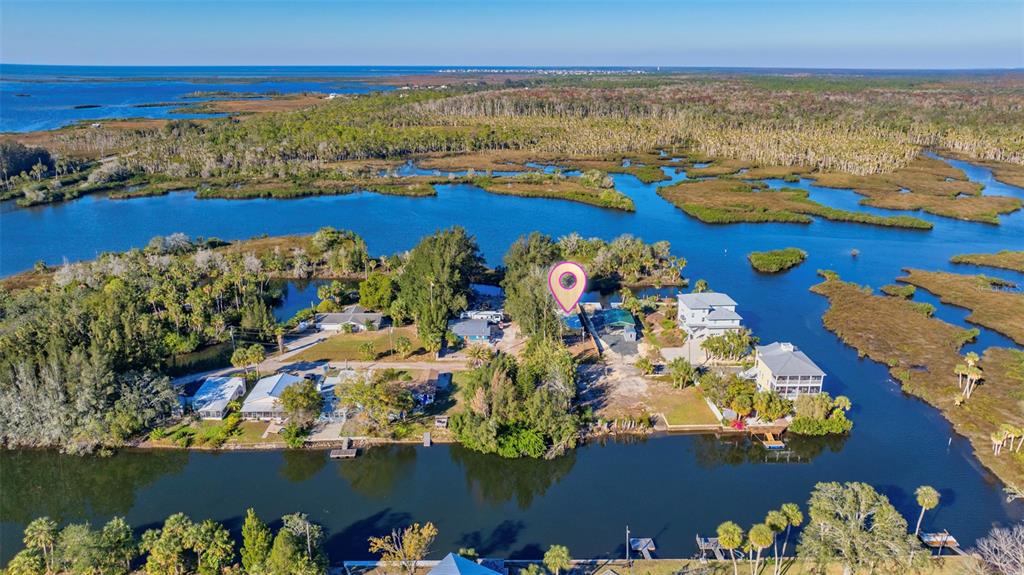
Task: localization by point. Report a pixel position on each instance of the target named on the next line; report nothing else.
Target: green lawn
(346, 346)
(681, 406)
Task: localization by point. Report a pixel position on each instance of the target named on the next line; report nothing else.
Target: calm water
(668, 487)
(49, 103)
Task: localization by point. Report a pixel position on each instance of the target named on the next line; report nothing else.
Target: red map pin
(567, 282)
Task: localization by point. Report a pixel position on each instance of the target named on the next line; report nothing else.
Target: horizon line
(539, 67)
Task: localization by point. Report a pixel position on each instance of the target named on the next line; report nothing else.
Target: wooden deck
(346, 451)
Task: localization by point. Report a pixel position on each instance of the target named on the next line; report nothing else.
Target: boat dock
(710, 545)
(642, 545)
(346, 451)
(770, 442)
(941, 540)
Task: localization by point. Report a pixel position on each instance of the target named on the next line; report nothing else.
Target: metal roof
(470, 327)
(216, 393)
(705, 300)
(269, 387)
(723, 314)
(453, 564)
(786, 359)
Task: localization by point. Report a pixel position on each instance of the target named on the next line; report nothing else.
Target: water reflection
(374, 473)
(495, 481)
(299, 465)
(37, 483)
(717, 451)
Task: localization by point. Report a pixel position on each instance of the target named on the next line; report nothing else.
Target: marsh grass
(921, 353)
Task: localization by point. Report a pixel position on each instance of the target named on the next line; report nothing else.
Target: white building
(783, 368)
(211, 400)
(356, 317)
(264, 399)
(707, 314)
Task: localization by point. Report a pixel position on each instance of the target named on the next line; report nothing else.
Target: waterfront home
(453, 564)
(707, 314)
(356, 317)
(783, 368)
(424, 387)
(616, 330)
(471, 330)
(263, 401)
(211, 400)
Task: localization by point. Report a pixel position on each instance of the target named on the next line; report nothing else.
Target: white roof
(722, 313)
(267, 390)
(216, 393)
(786, 359)
(705, 300)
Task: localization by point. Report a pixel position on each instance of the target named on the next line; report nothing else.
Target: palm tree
(960, 370)
(730, 537)
(479, 353)
(777, 522)
(795, 517)
(974, 375)
(557, 558)
(927, 498)
(42, 534)
(998, 439)
(759, 537)
(681, 372)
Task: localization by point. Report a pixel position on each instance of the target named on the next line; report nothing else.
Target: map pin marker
(567, 281)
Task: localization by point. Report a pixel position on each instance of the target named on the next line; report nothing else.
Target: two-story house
(707, 314)
(783, 368)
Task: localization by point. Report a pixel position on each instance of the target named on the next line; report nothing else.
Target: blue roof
(453, 564)
(573, 322)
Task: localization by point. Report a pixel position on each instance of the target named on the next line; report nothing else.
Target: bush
(294, 436)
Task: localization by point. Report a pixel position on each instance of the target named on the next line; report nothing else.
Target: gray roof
(786, 359)
(724, 314)
(470, 327)
(453, 564)
(351, 314)
(269, 387)
(705, 300)
(216, 393)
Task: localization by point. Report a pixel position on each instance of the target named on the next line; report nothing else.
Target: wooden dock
(642, 545)
(770, 442)
(941, 540)
(346, 451)
(710, 545)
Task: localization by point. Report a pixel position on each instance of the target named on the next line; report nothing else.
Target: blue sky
(762, 33)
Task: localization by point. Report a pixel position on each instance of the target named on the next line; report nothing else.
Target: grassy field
(921, 353)
(346, 346)
(990, 306)
(680, 406)
(1005, 259)
(725, 201)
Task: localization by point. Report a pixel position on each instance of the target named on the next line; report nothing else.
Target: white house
(211, 400)
(264, 399)
(707, 314)
(356, 317)
(783, 368)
